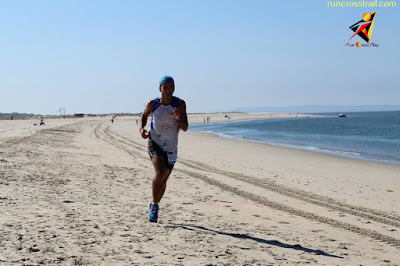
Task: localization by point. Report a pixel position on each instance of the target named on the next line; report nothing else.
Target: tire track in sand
(323, 201)
(371, 214)
(282, 207)
(378, 216)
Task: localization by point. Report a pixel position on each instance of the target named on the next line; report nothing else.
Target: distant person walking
(168, 115)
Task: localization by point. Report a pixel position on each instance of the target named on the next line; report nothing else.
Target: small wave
(314, 149)
(338, 151)
(350, 153)
(229, 136)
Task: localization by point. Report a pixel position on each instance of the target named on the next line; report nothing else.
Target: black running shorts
(155, 150)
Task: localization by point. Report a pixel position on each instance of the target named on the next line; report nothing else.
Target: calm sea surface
(371, 136)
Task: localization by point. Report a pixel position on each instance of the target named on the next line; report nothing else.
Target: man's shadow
(259, 240)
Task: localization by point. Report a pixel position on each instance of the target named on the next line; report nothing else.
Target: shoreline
(194, 119)
(317, 150)
(352, 155)
(197, 119)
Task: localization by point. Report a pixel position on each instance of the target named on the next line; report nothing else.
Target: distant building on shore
(79, 115)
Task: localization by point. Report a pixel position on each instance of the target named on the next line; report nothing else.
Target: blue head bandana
(166, 79)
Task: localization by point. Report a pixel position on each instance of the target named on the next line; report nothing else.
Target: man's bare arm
(181, 116)
(143, 120)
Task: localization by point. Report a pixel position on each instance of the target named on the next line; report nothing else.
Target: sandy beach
(76, 192)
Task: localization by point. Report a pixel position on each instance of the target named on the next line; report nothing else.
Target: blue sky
(107, 56)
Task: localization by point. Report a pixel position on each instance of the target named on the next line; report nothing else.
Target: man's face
(167, 89)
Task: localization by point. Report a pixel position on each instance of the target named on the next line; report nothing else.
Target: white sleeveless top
(164, 128)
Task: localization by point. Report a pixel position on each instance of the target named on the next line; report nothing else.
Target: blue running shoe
(153, 213)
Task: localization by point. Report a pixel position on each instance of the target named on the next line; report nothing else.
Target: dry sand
(76, 192)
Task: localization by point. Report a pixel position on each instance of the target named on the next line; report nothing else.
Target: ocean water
(370, 136)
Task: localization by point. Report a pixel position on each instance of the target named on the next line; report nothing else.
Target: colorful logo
(364, 29)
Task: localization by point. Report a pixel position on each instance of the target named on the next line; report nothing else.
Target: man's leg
(159, 185)
(160, 180)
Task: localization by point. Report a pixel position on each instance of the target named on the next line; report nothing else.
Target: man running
(168, 115)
